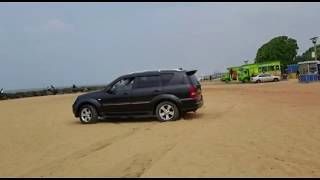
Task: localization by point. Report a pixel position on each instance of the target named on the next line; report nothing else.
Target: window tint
(147, 81)
(271, 68)
(194, 79)
(313, 68)
(123, 85)
(173, 79)
(264, 69)
(166, 78)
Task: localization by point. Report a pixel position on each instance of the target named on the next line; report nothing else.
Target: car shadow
(121, 120)
(191, 116)
(128, 120)
(113, 120)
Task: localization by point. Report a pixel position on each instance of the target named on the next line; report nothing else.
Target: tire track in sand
(54, 165)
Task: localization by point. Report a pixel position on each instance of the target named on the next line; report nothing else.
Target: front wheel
(258, 81)
(167, 111)
(88, 114)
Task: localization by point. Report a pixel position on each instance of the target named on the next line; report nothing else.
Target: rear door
(144, 90)
(175, 83)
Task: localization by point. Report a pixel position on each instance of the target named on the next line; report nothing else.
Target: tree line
(284, 49)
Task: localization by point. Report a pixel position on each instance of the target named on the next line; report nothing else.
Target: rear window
(173, 79)
(194, 79)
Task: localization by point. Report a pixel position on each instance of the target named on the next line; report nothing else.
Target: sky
(93, 43)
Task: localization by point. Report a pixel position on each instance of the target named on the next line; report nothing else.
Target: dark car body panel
(142, 101)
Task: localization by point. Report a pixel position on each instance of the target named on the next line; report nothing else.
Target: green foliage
(306, 56)
(280, 48)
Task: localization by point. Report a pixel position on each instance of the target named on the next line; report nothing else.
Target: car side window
(264, 69)
(173, 79)
(147, 82)
(123, 85)
(271, 68)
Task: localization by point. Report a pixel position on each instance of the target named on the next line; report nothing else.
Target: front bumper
(75, 109)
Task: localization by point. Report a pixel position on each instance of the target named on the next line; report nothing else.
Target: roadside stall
(309, 71)
(292, 71)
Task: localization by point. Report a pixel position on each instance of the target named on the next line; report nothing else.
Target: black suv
(165, 94)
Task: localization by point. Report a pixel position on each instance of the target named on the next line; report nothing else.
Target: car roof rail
(177, 69)
(159, 70)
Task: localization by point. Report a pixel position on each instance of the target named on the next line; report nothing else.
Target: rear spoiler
(192, 72)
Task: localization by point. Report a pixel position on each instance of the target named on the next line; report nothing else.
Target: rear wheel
(275, 79)
(88, 114)
(167, 111)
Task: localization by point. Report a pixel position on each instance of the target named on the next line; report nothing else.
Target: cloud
(57, 25)
(52, 25)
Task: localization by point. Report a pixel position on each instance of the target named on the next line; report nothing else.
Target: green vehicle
(250, 70)
(231, 75)
(225, 77)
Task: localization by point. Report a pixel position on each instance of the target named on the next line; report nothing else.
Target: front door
(117, 102)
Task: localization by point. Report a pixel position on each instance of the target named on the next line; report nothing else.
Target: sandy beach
(243, 130)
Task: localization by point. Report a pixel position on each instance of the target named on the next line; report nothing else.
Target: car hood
(93, 95)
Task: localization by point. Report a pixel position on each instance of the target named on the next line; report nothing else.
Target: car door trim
(119, 104)
(115, 104)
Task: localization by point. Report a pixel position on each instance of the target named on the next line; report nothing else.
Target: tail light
(192, 92)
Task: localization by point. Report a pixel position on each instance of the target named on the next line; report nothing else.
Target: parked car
(265, 78)
(165, 94)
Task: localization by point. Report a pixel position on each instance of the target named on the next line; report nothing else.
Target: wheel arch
(96, 105)
(167, 97)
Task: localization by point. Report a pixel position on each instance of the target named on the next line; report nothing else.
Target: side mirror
(109, 91)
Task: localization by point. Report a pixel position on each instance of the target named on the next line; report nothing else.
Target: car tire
(88, 114)
(275, 79)
(167, 111)
(258, 81)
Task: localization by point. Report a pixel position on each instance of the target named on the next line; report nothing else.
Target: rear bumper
(190, 104)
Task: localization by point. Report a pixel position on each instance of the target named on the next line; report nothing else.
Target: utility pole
(314, 41)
